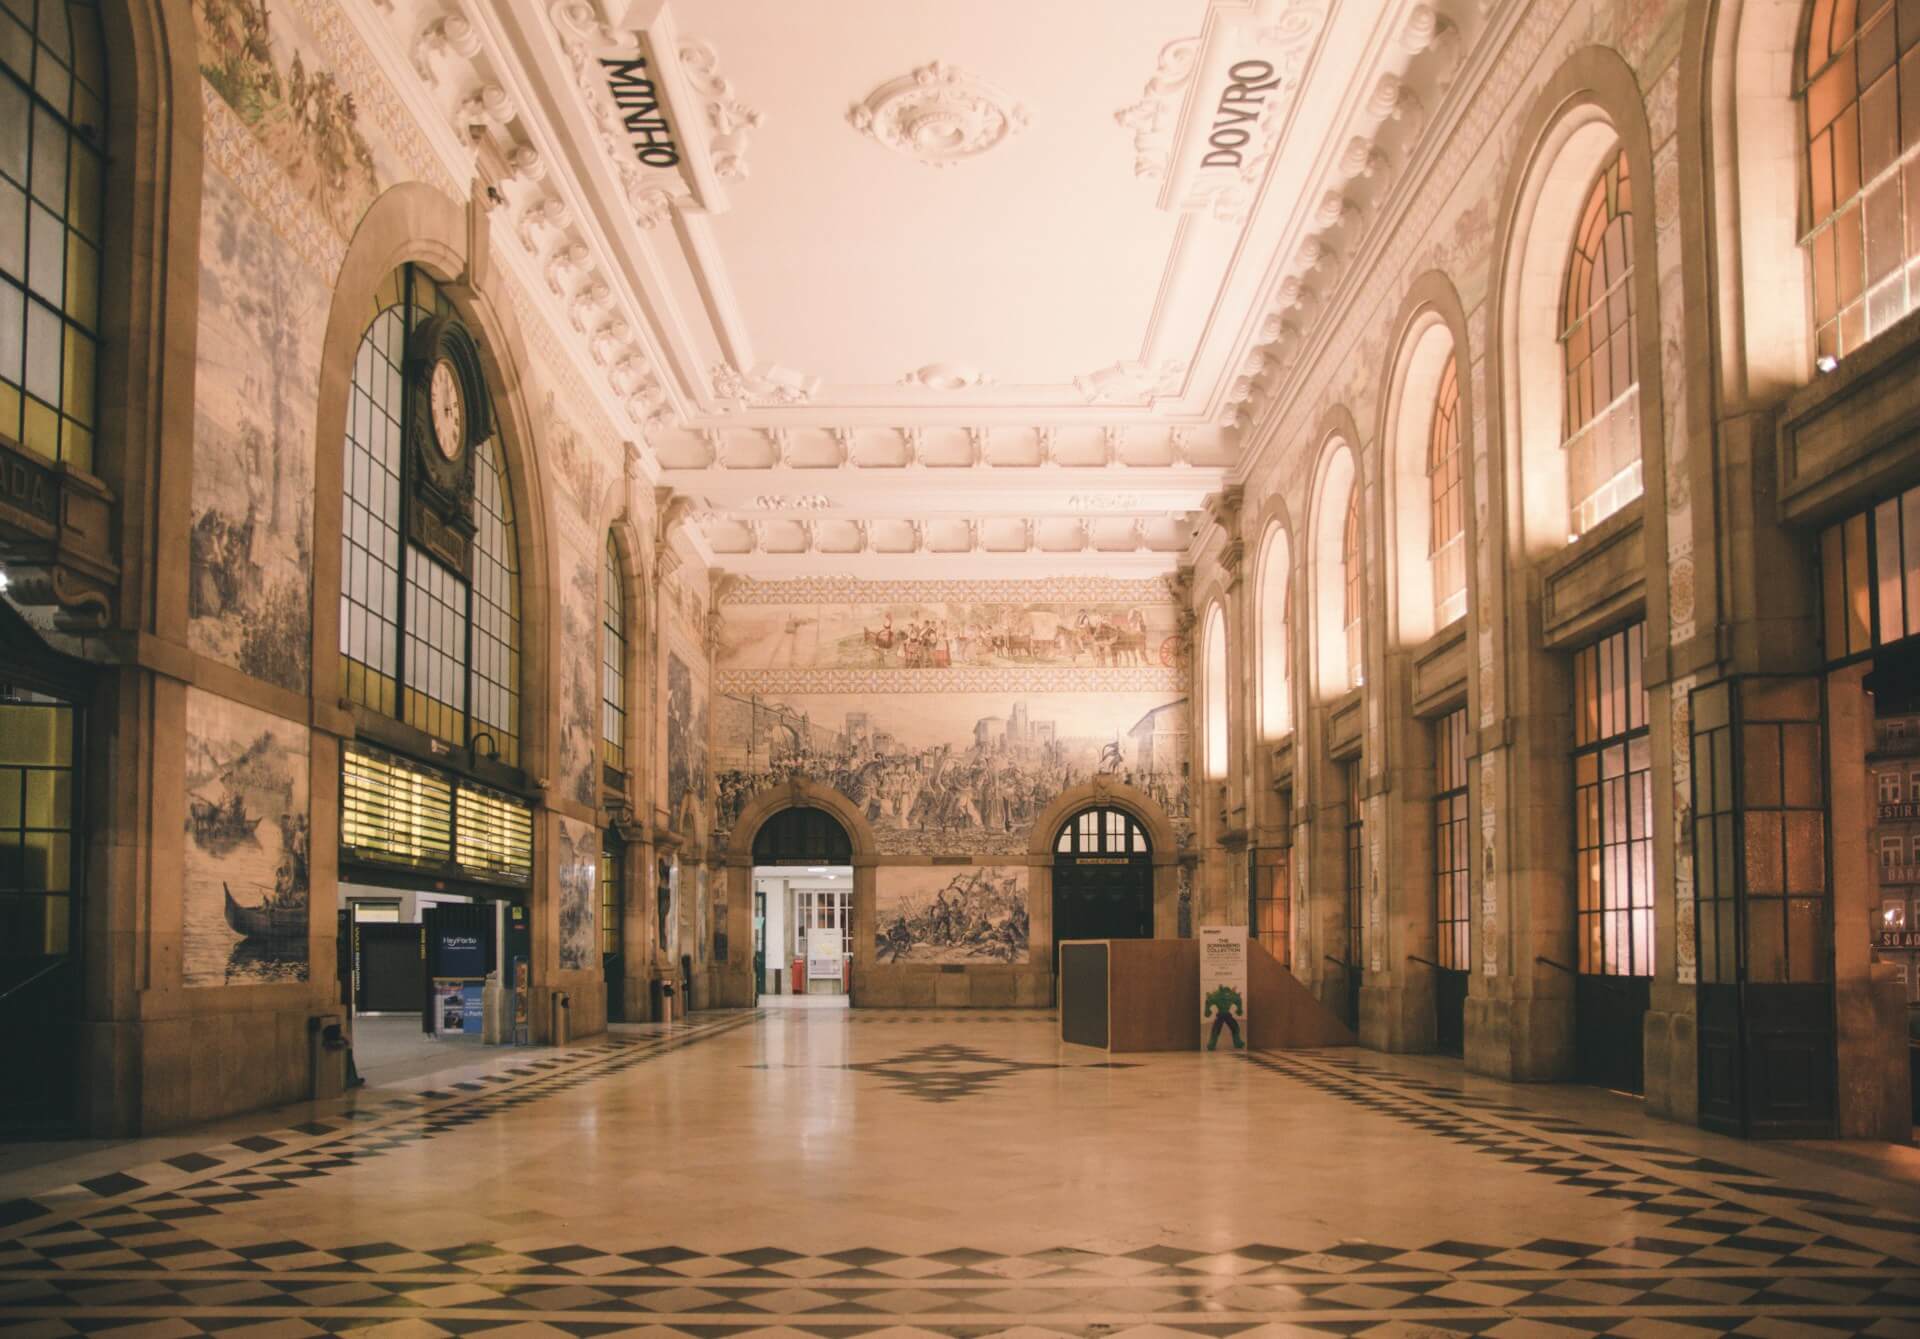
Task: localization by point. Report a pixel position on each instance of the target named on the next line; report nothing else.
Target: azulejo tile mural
(246, 884)
(942, 914)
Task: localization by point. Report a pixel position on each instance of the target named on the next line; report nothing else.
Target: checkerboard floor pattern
(153, 1252)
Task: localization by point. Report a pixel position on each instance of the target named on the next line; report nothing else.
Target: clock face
(449, 413)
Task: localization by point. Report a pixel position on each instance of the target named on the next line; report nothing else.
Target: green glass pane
(53, 83)
(49, 171)
(9, 411)
(83, 194)
(86, 45)
(35, 736)
(43, 353)
(13, 123)
(46, 862)
(49, 796)
(76, 446)
(11, 788)
(13, 322)
(40, 429)
(83, 281)
(78, 391)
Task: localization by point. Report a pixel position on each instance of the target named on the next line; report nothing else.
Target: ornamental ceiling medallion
(939, 114)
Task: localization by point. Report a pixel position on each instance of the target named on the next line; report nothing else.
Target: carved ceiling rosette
(939, 114)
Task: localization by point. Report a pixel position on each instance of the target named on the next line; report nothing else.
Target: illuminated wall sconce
(1826, 362)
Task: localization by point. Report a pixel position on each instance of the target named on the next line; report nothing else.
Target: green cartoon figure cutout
(1224, 1003)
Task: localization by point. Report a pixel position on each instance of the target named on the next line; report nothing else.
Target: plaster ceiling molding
(950, 536)
(1132, 382)
(946, 377)
(610, 343)
(1427, 29)
(766, 386)
(939, 115)
(1215, 111)
(1180, 448)
(1047, 442)
(1103, 502)
(1363, 160)
(1113, 441)
(452, 36)
(1117, 536)
(588, 303)
(844, 537)
(525, 164)
(567, 262)
(1152, 119)
(914, 440)
(652, 191)
(792, 502)
(1004, 535)
(979, 441)
(842, 445)
(730, 122)
(781, 441)
(716, 442)
(549, 213)
(486, 106)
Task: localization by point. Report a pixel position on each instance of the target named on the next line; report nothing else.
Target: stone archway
(734, 983)
(1163, 840)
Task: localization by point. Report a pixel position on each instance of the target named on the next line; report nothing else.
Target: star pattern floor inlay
(806, 1173)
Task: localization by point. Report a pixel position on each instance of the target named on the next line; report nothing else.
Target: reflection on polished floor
(841, 1174)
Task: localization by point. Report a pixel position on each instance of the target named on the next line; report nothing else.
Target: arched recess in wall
(413, 224)
(799, 793)
(1273, 634)
(1337, 488)
(1213, 695)
(1762, 292)
(1428, 480)
(1580, 205)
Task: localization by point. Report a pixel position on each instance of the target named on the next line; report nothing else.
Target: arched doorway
(1102, 878)
(802, 908)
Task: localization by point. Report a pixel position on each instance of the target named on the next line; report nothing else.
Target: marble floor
(845, 1174)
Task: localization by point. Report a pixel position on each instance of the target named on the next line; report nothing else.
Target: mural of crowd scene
(948, 635)
(579, 686)
(245, 886)
(952, 773)
(262, 316)
(268, 71)
(686, 740)
(577, 856)
(946, 915)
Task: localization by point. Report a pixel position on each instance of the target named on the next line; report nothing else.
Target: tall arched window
(1353, 572)
(1275, 636)
(1216, 694)
(52, 131)
(1601, 432)
(430, 574)
(1861, 91)
(1447, 517)
(613, 664)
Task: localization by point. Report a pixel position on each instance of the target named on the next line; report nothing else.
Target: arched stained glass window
(1353, 569)
(52, 132)
(1447, 519)
(1601, 433)
(1861, 92)
(613, 663)
(421, 639)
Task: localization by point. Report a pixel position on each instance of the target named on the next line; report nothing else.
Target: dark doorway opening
(1102, 879)
(802, 836)
(42, 838)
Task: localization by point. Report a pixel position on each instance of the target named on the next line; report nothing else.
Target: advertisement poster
(1223, 986)
(825, 949)
(456, 1008)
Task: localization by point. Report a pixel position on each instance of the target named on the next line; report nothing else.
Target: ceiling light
(1826, 362)
(5, 581)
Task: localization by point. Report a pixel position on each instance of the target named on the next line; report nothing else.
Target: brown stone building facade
(1509, 607)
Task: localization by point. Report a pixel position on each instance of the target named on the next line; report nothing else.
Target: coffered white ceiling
(956, 285)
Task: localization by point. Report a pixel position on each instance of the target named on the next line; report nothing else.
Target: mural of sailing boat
(246, 894)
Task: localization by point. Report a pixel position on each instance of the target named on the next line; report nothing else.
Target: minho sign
(642, 112)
